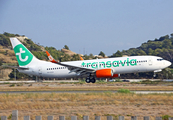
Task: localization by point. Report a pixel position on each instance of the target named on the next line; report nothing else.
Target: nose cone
(168, 63)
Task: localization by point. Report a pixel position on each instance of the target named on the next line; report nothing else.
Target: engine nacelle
(115, 75)
(106, 73)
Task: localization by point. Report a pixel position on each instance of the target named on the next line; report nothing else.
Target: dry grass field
(92, 104)
(75, 88)
(84, 87)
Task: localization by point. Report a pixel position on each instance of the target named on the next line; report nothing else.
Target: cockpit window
(160, 59)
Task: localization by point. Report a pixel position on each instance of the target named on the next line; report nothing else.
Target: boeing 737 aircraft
(91, 69)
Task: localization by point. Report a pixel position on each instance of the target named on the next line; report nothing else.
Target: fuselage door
(39, 71)
(150, 61)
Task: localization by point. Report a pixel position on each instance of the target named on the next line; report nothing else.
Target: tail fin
(23, 55)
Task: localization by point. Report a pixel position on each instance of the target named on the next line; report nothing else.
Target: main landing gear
(90, 79)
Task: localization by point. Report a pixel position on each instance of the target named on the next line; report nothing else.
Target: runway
(137, 92)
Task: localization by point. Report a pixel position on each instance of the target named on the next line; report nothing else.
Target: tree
(75, 57)
(150, 51)
(164, 37)
(66, 57)
(172, 35)
(167, 43)
(66, 47)
(91, 55)
(102, 54)
(117, 54)
(141, 52)
(4, 40)
(8, 34)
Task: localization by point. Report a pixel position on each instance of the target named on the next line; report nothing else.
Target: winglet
(81, 58)
(51, 58)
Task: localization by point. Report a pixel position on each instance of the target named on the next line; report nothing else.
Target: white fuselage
(119, 65)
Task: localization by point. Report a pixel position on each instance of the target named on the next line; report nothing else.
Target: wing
(79, 70)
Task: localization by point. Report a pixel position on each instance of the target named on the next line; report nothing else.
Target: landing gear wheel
(87, 80)
(154, 75)
(93, 80)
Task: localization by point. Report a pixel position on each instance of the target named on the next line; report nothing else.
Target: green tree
(141, 52)
(117, 54)
(29, 41)
(172, 35)
(8, 34)
(86, 57)
(66, 47)
(150, 51)
(164, 37)
(102, 54)
(167, 43)
(66, 57)
(75, 57)
(91, 55)
(4, 40)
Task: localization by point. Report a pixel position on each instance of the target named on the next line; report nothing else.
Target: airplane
(91, 69)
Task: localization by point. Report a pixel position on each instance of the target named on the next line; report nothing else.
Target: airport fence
(15, 117)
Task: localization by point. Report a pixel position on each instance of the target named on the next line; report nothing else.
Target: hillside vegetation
(162, 47)
(36, 49)
(7, 56)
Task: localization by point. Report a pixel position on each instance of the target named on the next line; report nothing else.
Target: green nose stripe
(23, 56)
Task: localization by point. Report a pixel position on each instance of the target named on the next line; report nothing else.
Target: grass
(85, 87)
(79, 99)
(165, 117)
(72, 99)
(12, 85)
(102, 104)
(124, 91)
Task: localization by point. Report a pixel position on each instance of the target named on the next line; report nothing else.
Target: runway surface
(137, 92)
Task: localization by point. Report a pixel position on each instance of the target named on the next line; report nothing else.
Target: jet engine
(106, 73)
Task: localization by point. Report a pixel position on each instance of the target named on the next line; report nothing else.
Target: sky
(88, 26)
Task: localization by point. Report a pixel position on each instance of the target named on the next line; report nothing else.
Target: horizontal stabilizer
(16, 67)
